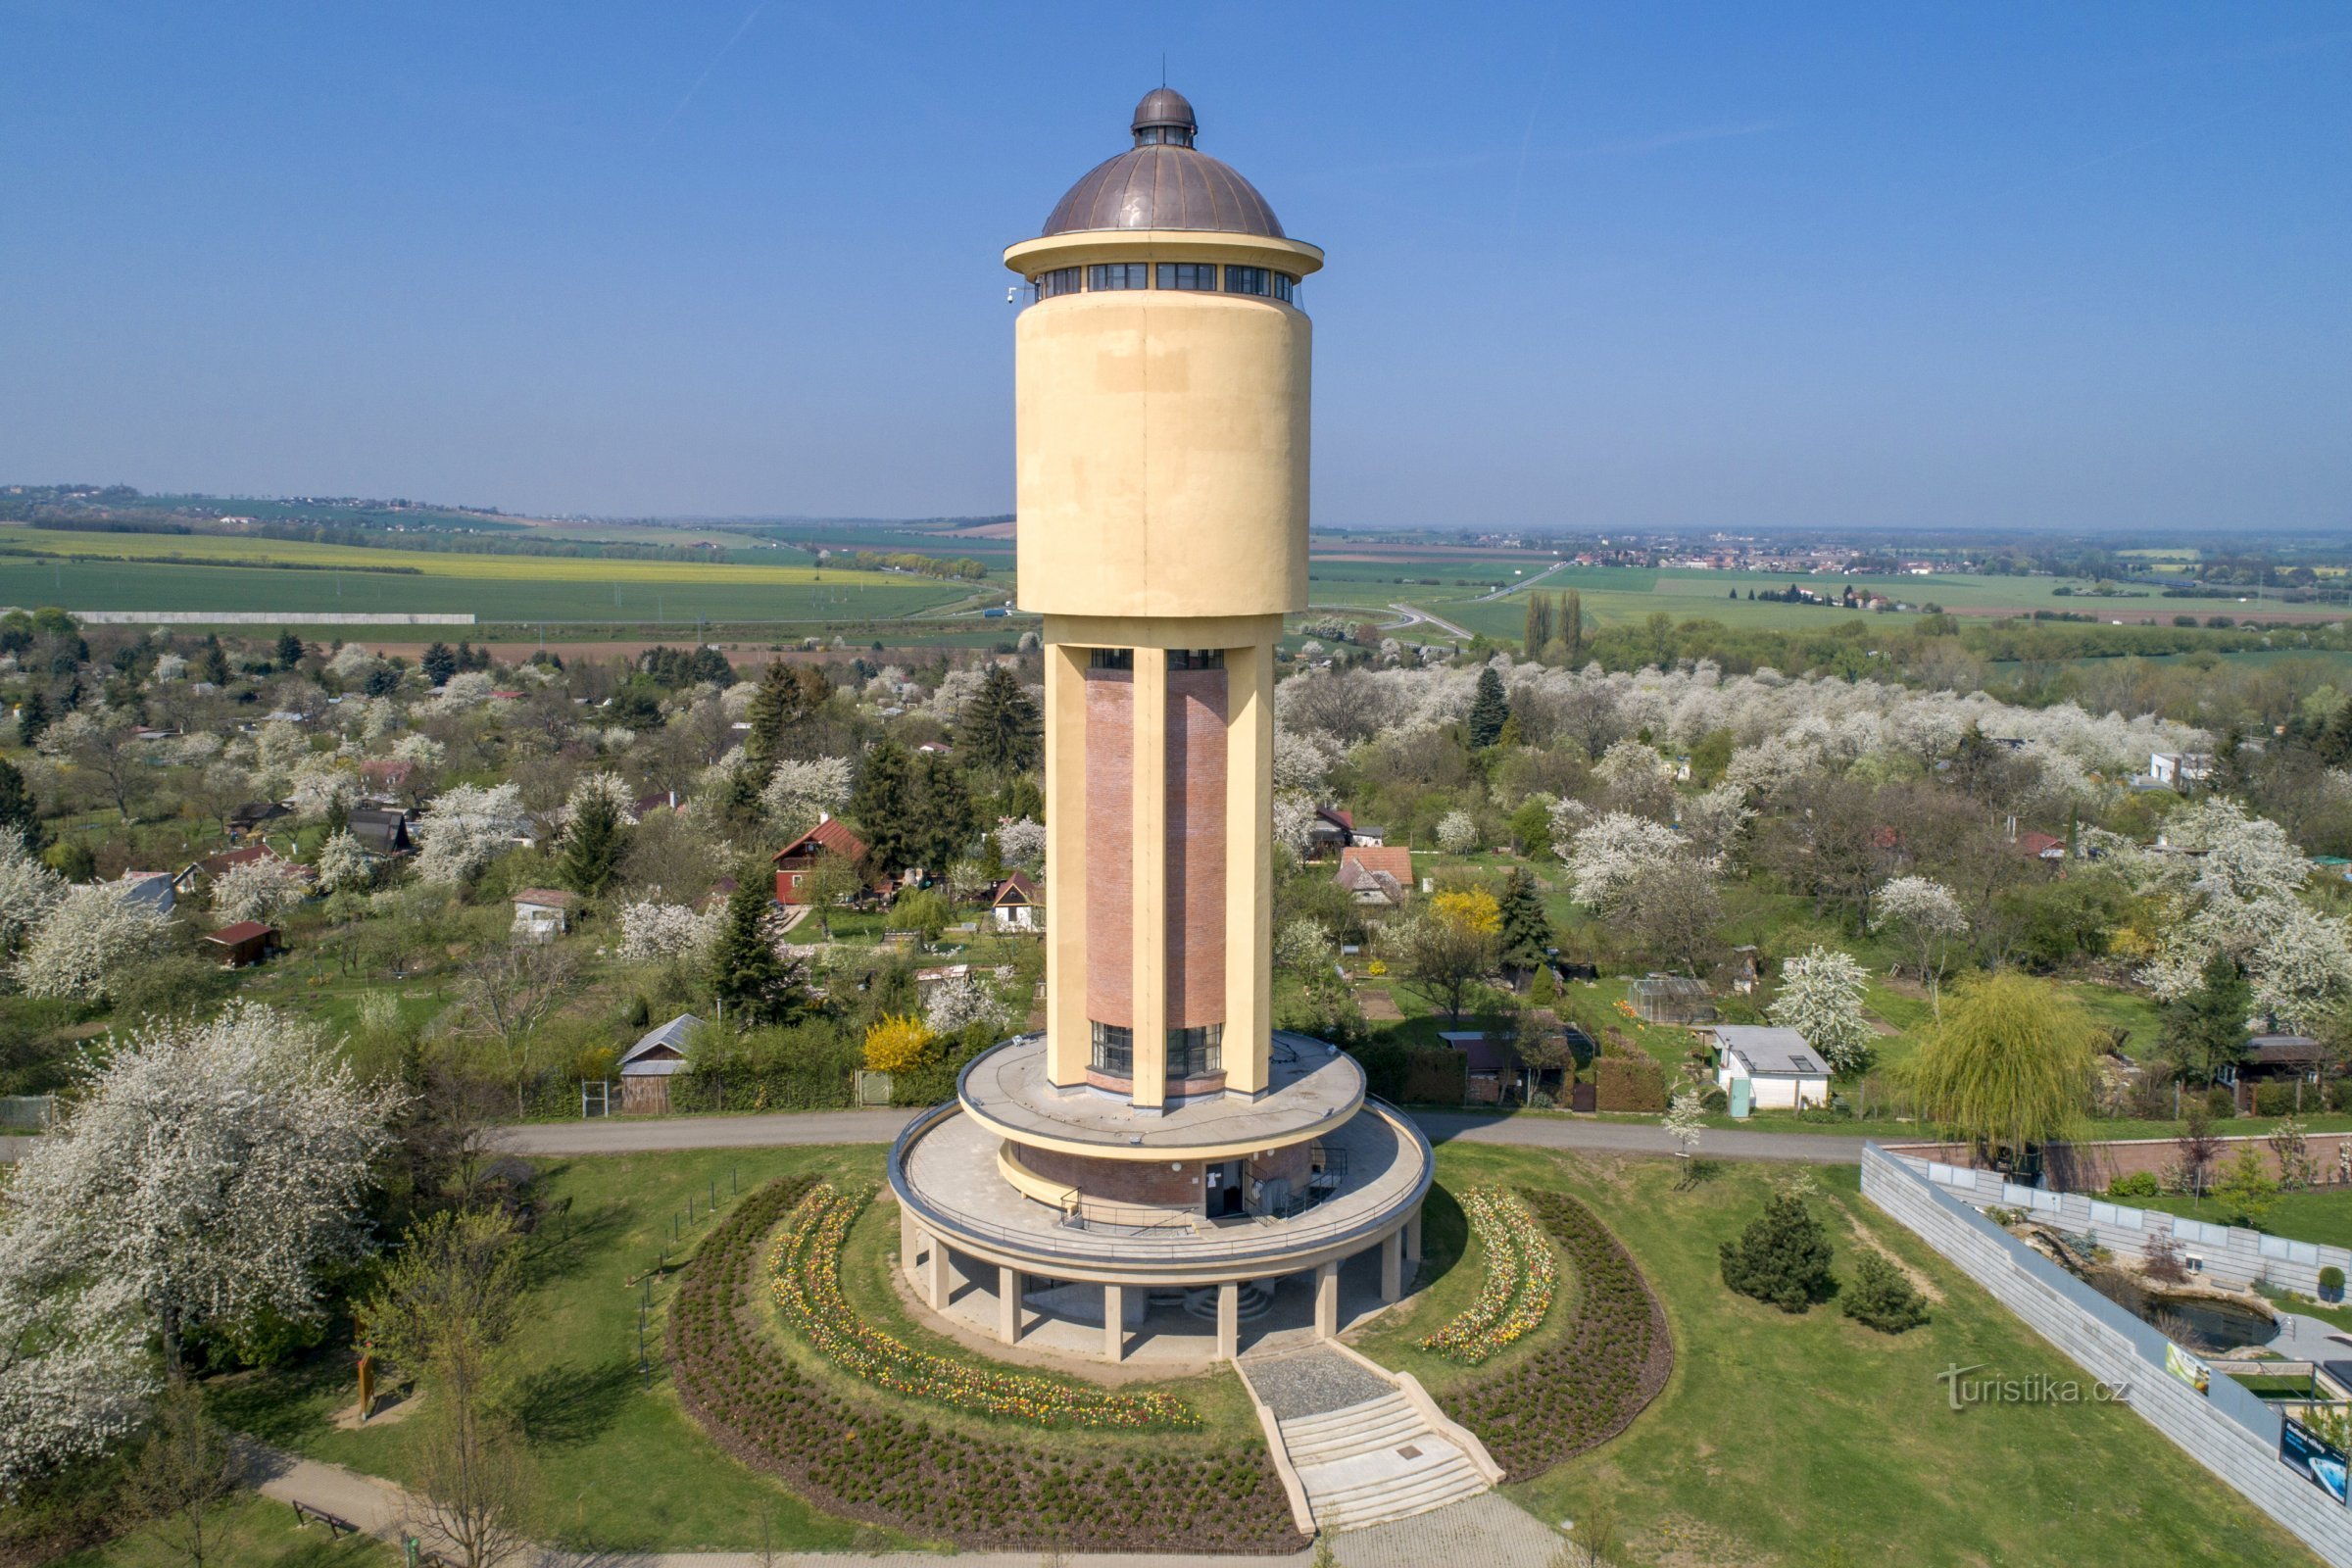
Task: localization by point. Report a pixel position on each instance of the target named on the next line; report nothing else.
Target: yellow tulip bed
(1521, 1276)
(804, 1268)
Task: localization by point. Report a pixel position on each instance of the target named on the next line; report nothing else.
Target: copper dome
(1165, 182)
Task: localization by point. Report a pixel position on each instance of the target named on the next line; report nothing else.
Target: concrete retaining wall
(2227, 1429)
(2091, 1167)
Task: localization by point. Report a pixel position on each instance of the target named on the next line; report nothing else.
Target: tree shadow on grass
(1444, 1232)
(566, 1240)
(562, 1406)
(280, 1406)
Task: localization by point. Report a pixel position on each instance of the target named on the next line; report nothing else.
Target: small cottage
(1376, 875)
(243, 945)
(542, 914)
(253, 816)
(647, 1067)
(1018, 905)
(1771, 1067)
(380, 830)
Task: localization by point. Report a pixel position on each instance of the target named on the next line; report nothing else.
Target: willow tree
(2011, 1065)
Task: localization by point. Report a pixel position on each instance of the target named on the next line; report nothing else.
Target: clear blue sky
(1639, 265)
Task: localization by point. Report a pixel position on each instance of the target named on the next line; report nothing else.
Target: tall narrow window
(1286, 288)
(1197, 1053)
(1114, 1050)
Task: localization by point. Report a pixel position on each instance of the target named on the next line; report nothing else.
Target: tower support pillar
(1114, 1321)
(1327, 1299)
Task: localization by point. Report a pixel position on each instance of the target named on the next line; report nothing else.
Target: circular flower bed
(804, 1265)
(863, 1459)
(1522, 1274)
(1587, 1384)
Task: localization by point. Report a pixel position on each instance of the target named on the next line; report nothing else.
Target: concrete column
(1229, 1322)
(910, 1243)
(1115, 1322)
(1249, 860)
(1412, 1235)
(1069, 1044)
(1326, 1300)
(1391, 1266)
(1149, 975)
(1008, 1305)
(938, 1283)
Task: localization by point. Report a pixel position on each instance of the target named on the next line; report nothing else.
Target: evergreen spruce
(1881, 1296)
(289, 650)
(32, 719)
(1526, 933)
(213, 664)
(755, 983)
(1572, 628)
(1782, 1257)
(998, 731)
(593, 844)
(1489, 710)
(438, 663)
(883, 806)
(945, 817)
(18, 810)
(790, 694)
(2205, 1031)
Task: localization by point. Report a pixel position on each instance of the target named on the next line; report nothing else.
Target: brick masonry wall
(2090, 1167)
(2227, 1430)
(1121, 1181)
(1196, 848)
(1109, 845)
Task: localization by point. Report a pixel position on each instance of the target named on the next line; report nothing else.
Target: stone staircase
(1364, 1445)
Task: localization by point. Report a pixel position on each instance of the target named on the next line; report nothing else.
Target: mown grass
(251, 1531)
(2324, 1217)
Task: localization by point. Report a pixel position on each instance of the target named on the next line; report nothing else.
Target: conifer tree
(790, 694)
(748, 975)
(289, 650)
(1782, 1257)
(999, 730)
(1572, 628)
(1489, 710)
(33, 718)
(1526, 933)
(593, 844)
(945, 814)
(883, 806)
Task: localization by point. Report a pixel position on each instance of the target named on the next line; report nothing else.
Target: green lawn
(1790, 1439)
(2324, 1217)
(253, 1533)
(622, 1465)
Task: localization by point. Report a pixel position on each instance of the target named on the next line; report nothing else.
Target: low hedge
(866, 1461)
(1587, 1386)
(1629, 1083)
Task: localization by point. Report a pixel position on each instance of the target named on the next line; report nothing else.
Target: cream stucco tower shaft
(1162, 414)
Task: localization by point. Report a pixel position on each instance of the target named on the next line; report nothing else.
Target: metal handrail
(1114, 1249)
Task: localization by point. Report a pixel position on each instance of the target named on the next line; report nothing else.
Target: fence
(2227, 1428)
(26, 1113)
(2224, 1253)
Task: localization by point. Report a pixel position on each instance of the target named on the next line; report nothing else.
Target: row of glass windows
(1195, 1052)
(1198, 276)
(1178, 659)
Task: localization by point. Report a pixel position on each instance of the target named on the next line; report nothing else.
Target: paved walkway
(622, 1137)
(1485, 1531)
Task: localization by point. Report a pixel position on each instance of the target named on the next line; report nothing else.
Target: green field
(528, 592)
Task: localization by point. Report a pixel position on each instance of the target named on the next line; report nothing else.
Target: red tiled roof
(830, 834)
(1018, 886)
(1395, 860)
(2039, 843)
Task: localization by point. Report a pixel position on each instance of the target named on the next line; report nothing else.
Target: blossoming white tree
(1457, 833)
(960, 1001)
(208, 1174)
(610, 788)
(1606, 854)
(89, 935)
(28, 890)
(1821, 998)
(1924, 915)
(260, 889)
(343, 863)
(797, 793)
(651, 931)
(1022, 843)
(464, 828)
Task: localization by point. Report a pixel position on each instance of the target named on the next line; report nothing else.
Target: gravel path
(1312, 1383)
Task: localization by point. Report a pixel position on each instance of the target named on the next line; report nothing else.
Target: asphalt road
(881, 1126)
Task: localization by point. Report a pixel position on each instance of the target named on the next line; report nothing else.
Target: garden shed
(1672, 998)
(243, 945)
(647, 1067)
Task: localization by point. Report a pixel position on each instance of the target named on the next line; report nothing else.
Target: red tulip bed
(805, 1264)
(866, 1459)
(1587, 1384)
(1522, 1273)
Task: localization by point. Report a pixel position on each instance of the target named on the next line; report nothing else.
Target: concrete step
(1400, 1496)
(1389, 1430)
(1314, 1428)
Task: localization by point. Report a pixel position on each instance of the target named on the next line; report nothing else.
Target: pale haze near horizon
(1712, 267)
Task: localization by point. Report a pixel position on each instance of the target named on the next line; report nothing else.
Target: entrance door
(1225, 1189)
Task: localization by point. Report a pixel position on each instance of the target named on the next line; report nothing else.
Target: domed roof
(1165, 182)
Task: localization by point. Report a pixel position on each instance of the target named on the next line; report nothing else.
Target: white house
(543, 914)
(1016, 905)
(1782, 1071)
(2179, 769)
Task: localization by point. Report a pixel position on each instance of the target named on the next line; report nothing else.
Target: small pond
(2199, 1323)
